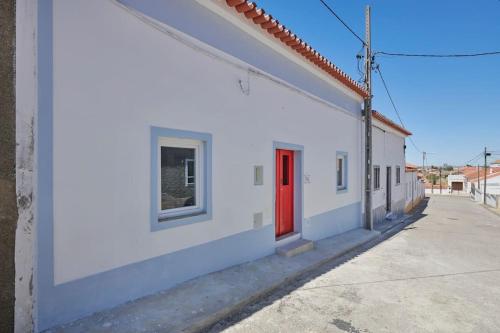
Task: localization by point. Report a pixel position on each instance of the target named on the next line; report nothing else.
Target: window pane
(376, 177)
(339, 172)
(285, 170)
(176, 173)
(189, 167)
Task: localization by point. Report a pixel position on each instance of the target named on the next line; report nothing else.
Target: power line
(463, 55)
(343, 22)
(474, 158)
(394, 105)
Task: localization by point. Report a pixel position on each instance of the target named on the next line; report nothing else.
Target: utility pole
(440, 183)
(368, 122)
(486, 154)
(423, 164)
(478, 183)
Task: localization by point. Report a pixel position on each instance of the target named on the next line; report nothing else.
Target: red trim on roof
(266, 22)
(383, 119)
(411, 167)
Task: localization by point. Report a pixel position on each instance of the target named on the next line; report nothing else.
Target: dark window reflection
(177, 177)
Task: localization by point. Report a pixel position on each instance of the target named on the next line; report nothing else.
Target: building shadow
(249, 309)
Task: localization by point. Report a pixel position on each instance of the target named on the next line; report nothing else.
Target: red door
(284, 192)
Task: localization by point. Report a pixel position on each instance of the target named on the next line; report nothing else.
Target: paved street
(439, 274)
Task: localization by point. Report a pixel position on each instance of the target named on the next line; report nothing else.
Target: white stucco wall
(456, 178)
(414, 189)
(388, 150)
(114, 77)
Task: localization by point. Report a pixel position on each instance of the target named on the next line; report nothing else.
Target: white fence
(414, 190)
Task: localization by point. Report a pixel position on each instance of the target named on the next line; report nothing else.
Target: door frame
(298, 193)
(388, 185)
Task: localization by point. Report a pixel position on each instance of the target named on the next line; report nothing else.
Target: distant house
(457, 183)
(411, 167)
(470, 177)
(475, 177)
(495, 164)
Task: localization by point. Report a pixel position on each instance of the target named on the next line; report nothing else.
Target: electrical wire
(474, 158)
(463, 55)
(361, 73)
(342, 21)
(377, 69)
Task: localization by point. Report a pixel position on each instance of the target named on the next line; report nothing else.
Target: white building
(492, 183)
(457, 183)
(495, 164)
(389, 197)
(176, 138)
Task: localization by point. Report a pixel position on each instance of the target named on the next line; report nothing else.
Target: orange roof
(411, 167)
(471, 173)
(293, 42)
(383, 119)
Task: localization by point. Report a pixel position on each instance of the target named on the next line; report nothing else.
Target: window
(181, 171)
(376, 177)
(180, 162)
(398, 175)
(341, 171)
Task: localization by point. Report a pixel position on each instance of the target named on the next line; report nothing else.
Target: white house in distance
(468, 176)
(389, 196)
(457, 183)
(176, 138)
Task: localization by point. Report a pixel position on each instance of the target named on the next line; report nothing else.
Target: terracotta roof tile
(383, 119)
(266, 22)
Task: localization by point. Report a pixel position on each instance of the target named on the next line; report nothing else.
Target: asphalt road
(439, 274)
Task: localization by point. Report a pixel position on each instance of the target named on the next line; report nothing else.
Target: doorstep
(295, 248)
(205, 300)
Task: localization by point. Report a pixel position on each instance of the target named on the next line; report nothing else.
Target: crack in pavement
(402, 279)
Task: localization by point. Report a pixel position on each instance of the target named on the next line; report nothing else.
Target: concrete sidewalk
(437, 272)
(201, 302)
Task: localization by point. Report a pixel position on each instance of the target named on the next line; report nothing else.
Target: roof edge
(287, 38)
(383, 119)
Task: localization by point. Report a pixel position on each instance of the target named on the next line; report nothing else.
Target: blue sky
(451, 105)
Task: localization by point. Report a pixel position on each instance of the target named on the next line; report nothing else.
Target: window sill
(161, 223)
(342, 190)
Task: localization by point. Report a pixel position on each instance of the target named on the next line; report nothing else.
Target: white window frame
(198, 208)
(398, 175)
(342, 157)
(376, 167)
(186, 172)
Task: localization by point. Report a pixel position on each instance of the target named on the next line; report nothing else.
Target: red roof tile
(471, 173)
(411, 167)
(273, 27)
(383, 119)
